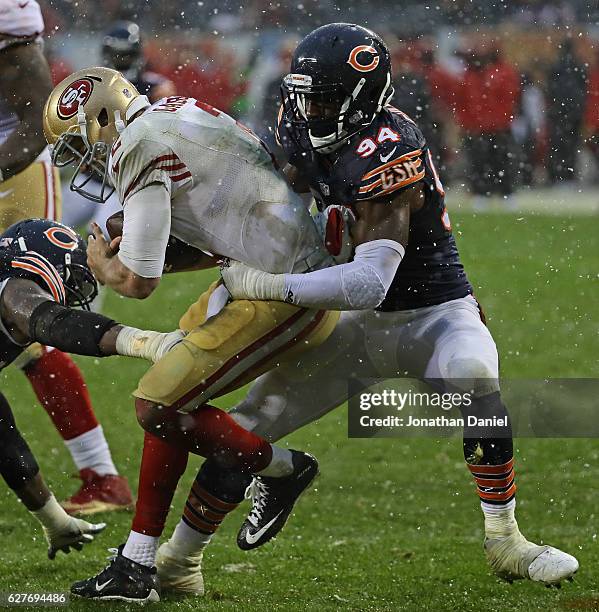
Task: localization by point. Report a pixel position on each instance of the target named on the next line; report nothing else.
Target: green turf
(392, 524)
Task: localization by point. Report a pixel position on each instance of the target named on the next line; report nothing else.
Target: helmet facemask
(73, 147)
(80, 285)
(340, 117)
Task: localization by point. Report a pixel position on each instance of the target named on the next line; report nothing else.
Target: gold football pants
(245, 339)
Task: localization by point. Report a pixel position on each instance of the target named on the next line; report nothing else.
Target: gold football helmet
(83, 117)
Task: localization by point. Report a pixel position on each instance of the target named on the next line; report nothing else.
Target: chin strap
(82, 123)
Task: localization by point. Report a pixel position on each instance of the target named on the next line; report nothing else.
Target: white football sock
(499, 520)
(188, 542)
(281, 463)
(90, 450)
(141, 548)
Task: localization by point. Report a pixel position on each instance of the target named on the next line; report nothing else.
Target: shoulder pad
(136, 161)
(394, 149)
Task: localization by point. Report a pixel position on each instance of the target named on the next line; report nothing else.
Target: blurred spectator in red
(208, 76)
(412, 96)
(443, 88)
(264, 93)
(566, 94)
(591, 113)
(486, 102)
(60, 68)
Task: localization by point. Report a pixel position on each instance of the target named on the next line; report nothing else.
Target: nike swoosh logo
(100, 587)
(23, 4)
(386, 158)
(252, 538)
(4, 194)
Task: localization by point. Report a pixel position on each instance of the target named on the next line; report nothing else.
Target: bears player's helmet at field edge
(340, 79)
(122, 49)
(83, 116)
(52, 255)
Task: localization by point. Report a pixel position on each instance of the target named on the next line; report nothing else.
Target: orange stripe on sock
(497, 483)
(217, 504)
(200, 507)
(198, 523)
(491, 469)
(490, 496)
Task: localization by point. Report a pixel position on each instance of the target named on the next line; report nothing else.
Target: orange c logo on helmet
(353, 58)
(72, 239)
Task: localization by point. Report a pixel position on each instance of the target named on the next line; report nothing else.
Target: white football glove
(245, 283)
(72, 533)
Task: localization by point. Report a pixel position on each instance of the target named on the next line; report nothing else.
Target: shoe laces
(258, 493)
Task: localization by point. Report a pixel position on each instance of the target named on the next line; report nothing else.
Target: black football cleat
(123, 580)
(273, 500)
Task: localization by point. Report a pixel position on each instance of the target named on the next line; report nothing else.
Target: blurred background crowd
(506, 92)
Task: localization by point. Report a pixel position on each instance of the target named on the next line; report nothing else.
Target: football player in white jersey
(184, 169)
(30, 187)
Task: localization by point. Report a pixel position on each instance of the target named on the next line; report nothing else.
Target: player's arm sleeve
(358, 285)
(146, 229)
(72, 331)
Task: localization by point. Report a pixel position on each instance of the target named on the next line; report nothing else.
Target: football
(180, 256)
(114, 225)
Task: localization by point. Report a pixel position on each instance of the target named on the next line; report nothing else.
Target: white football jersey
(227, 197)
(20, 21)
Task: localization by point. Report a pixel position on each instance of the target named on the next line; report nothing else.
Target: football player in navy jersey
(122, 49)
(408, 306)
(43, 276)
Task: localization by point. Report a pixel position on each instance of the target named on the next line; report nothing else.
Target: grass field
(392, 524)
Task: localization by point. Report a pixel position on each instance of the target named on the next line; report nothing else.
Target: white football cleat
(179, 573)
(513, 557)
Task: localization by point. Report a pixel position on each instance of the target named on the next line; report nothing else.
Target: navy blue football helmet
(52, 255)
(340, 79)
(122, 49)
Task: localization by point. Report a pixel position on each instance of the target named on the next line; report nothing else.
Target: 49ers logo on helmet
(354, 59)
(78, 92)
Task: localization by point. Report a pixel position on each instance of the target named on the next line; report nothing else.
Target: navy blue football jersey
(378, 163)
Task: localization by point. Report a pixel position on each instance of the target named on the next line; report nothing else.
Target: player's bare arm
(19, 305)
(294, 177)
(380, 220)
(24, 86)
(31, 315)
(45, 296)
(107, 267)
